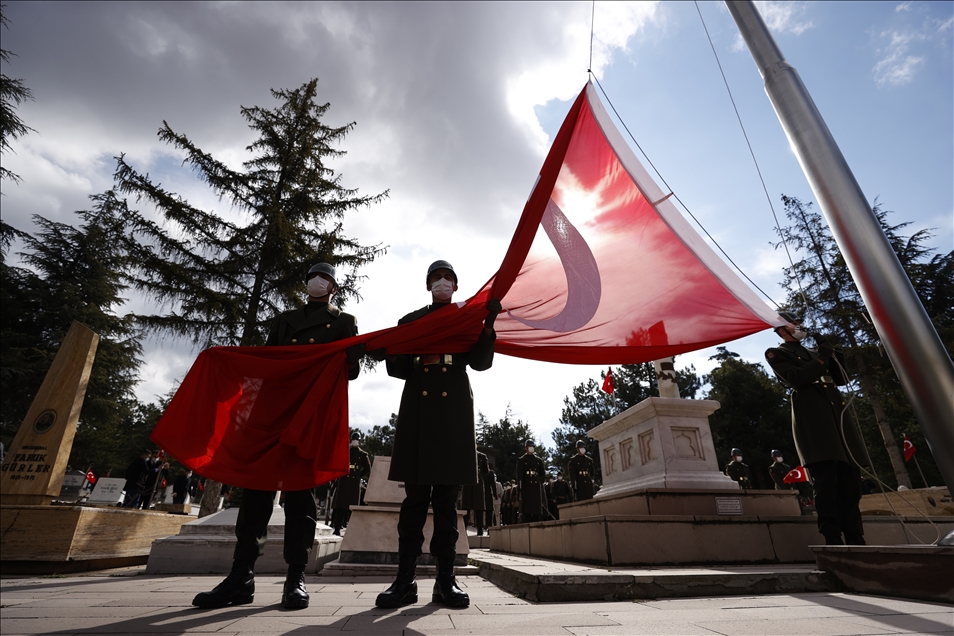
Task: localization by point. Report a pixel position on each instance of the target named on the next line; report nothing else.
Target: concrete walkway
(130, 602)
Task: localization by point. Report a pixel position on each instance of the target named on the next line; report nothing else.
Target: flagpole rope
(589, 67)
(758, 168)
(676, 196)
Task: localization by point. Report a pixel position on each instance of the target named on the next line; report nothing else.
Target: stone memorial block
(34, 467)
(660, 443)
(382, 491)
(72, 487)
(108, 491)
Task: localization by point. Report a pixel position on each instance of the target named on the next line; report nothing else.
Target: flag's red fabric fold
(601, 269)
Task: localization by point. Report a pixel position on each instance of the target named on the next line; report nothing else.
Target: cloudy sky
(456, 104)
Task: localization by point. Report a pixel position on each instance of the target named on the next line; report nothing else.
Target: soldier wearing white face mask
(317, 322)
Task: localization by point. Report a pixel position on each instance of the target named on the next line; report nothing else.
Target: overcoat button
(311, 340)
(424, 393)
(328, 326)
(426, 369)
(444, 369)
(294, 340)
(444, 394)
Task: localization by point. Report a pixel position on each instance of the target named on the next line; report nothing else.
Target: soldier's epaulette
(770, 353)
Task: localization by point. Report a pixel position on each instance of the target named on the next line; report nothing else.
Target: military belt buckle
(433, 358)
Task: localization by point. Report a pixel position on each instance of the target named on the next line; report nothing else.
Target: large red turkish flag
(602, 269)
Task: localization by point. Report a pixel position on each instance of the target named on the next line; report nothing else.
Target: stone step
(922, 572)
(544, 581)
(335, 568)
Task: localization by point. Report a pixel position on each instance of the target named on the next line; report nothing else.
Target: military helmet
(322, 268)
(580, 444)
(736, 451)
(440, 265)
(355, 435)
(529, 442)
(790, 317)
(776, 452)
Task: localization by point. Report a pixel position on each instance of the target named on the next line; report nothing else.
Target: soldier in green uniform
(559, 494)
(348, 488)
(778, 470)
(317, 322)
(530, 475)
(580, 471)
(738, 471)
(435, 446)
(828, 444)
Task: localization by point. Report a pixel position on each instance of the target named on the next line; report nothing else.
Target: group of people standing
(144, 477)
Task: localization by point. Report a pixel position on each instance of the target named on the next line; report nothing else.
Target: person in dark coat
(317, 322)
(580, 471)
(154, 479)
(435, 445)
(136, 475)
(778, 470)
(530, 475)
(181, 487)
(828, 444)
(491, 499)
(472, 496)
(738, 471)
(348, 488)
(559, 494)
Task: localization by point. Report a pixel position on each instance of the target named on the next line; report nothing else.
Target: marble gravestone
(371, 537)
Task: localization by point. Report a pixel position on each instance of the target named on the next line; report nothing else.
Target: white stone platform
(206, 545)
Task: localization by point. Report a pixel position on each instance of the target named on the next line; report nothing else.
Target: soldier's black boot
(404, 589)
(445, 587)
(294, 594)
(854, 539)
(238, 588)
(833, 539)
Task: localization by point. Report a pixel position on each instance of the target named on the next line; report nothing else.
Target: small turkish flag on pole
(162, 455)
(909, 449)
(608, 386)
(795, 475)
(90, 477)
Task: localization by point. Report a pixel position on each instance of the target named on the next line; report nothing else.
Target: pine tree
(13, 92)
(225, 281)
(77, 273)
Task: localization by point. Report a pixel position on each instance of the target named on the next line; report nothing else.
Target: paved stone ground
(129, 602)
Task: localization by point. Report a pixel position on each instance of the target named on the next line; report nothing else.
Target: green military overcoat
(348, 488)
(472, 495)
(579, 472)
(314, 323)
(435, 441)
(820, 432)
(530, 475)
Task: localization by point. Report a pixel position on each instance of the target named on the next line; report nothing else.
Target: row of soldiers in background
(741, 473)
(536, 497)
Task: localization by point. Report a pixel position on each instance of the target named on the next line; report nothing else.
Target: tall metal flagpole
(913, 346)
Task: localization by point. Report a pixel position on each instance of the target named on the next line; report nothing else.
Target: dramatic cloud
(903, 50)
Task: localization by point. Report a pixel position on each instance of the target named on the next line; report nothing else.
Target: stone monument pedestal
(660, 443)
(370, 543)
(206, 545)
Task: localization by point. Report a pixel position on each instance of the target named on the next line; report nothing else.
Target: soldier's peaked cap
(440, 265)
(736, 451)
(529, 442)
(794, 319)
(776, 453)
(580, 444)
(356, 435)
(323, 268)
